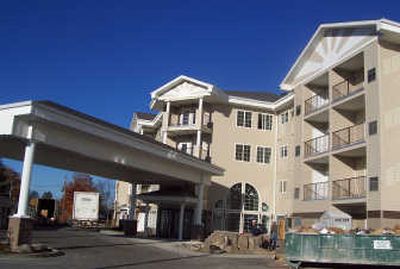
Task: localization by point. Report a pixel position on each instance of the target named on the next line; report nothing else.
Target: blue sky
(104, 57)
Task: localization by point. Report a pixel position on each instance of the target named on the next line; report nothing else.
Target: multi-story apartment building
(330, 140)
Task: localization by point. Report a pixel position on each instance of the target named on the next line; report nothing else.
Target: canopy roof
(71, 140)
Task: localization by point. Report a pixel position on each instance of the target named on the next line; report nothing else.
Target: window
(283, 186)
(284, 151)
(235, 197)
(243, 119)
(185, 147)
(263, 154)
(284, 117)
(297, 151)
(250, 198)
(187, 117)
(373, 127)
(243, 205)
(373, 184)
(296, 193)
(298, 110)
(242, 152)
(371, 74)
(264, 121)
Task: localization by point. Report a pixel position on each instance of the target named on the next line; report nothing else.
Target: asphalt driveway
(88, 249)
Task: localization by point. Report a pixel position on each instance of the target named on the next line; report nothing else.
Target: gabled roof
(180, 88)
(332, 43)
(182, 78)
(184, 88)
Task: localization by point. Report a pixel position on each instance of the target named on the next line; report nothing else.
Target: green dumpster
(342, 249)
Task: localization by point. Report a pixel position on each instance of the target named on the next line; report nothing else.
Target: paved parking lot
(86, 249)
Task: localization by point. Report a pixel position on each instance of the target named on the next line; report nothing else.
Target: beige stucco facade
(333, 140)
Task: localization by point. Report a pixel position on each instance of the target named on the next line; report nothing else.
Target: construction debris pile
(335, 221)
(231, 242)
(335, 230)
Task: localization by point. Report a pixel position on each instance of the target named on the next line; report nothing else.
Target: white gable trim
(156, 93)
(261, 104)
(382, 24)
(322, 71)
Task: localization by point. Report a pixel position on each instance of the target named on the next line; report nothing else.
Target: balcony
(349, 188)
(315, 103)
(175, 129)
(316, 146)
(348, 87)
(316, 191)
(348, 136)
(192, 150)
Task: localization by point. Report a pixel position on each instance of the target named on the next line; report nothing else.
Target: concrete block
(19, 232)
(243, 242)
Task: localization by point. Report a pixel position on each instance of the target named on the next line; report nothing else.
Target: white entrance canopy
(68, 139)
(47, 133)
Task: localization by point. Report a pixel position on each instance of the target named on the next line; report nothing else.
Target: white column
(200, 109)
(146, 220)
(181, 220)
(198, 143)
(241, 218)
(25, 180)
(200, 124)
(241, 223)
(133, 199)
(166, 123)
(199, 206)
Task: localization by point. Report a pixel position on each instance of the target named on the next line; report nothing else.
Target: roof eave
(286, 86)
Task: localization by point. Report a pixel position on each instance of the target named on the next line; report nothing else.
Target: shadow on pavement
(106, 245)
(152, 262)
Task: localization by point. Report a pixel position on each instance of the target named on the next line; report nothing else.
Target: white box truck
(86, 208)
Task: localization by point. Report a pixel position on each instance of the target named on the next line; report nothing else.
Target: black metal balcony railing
(316, 146)
(315, 103)
(349, 188)
(348, 136)
(316, 191)
(348, 87)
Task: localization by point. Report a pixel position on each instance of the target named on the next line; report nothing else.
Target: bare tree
(106, 190)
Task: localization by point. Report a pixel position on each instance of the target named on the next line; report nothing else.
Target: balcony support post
(166, 122)
(199, 124)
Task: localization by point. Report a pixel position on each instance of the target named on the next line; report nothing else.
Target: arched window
(235, 197)
(242, 206)
(250, 198)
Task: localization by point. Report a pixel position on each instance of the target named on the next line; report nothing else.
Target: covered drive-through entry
(47, 133)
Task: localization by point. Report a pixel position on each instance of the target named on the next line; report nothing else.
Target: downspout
(275, 167)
